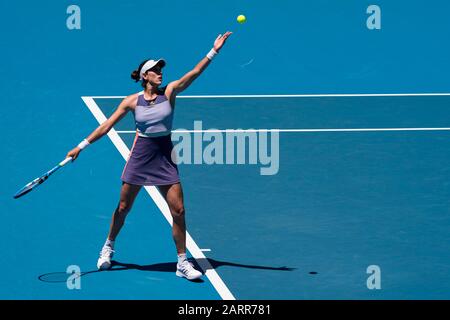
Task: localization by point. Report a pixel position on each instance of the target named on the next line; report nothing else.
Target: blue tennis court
(313, 151)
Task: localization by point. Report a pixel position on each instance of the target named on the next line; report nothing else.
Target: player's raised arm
(184, 82)
(104, 128)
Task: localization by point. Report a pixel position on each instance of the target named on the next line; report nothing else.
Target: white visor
(150, 64)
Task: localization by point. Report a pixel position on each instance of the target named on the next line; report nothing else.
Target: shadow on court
(216, 264)
(58, 277)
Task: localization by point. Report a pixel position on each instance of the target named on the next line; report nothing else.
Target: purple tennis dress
(150, 162)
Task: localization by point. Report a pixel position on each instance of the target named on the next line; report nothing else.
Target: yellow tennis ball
(241, 18)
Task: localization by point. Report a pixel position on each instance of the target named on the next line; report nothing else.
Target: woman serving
(150, 162)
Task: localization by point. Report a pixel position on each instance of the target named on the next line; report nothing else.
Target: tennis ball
(241, 18)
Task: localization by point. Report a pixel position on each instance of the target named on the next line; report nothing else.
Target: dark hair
(135, 75)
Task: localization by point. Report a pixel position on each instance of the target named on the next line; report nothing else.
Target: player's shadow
(217, 264)
(206, 264)
(203, 263)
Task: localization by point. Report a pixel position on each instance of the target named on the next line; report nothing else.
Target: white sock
(109, 243)
(181, 258)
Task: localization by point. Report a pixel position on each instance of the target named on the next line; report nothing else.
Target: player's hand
(73, 153)
(220, 40)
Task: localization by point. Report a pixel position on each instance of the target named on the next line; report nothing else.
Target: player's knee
(178, 211)
(123, 208)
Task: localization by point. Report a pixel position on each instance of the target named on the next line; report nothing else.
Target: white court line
(298, 95)
(210, 272)
(301, 130)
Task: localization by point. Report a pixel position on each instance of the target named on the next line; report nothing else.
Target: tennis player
(150, 162)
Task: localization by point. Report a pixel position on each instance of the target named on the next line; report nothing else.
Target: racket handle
(62, 163)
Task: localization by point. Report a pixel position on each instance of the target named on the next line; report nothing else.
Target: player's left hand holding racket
(72, 155)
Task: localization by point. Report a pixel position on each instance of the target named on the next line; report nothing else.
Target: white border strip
(301, 130)
(299, 95)
(210, 272)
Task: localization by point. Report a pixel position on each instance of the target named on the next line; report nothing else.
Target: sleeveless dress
(150, 162)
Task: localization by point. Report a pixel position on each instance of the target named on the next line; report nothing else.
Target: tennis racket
(38, 181)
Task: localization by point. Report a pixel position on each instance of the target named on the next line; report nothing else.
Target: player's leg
(128, 194)
(173, 194)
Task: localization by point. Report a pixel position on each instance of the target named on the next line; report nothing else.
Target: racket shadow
(62, 277)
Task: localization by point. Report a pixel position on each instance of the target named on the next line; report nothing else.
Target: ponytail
(136, 74)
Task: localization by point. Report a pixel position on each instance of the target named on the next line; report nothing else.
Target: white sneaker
(186, 270)
(104, 262)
